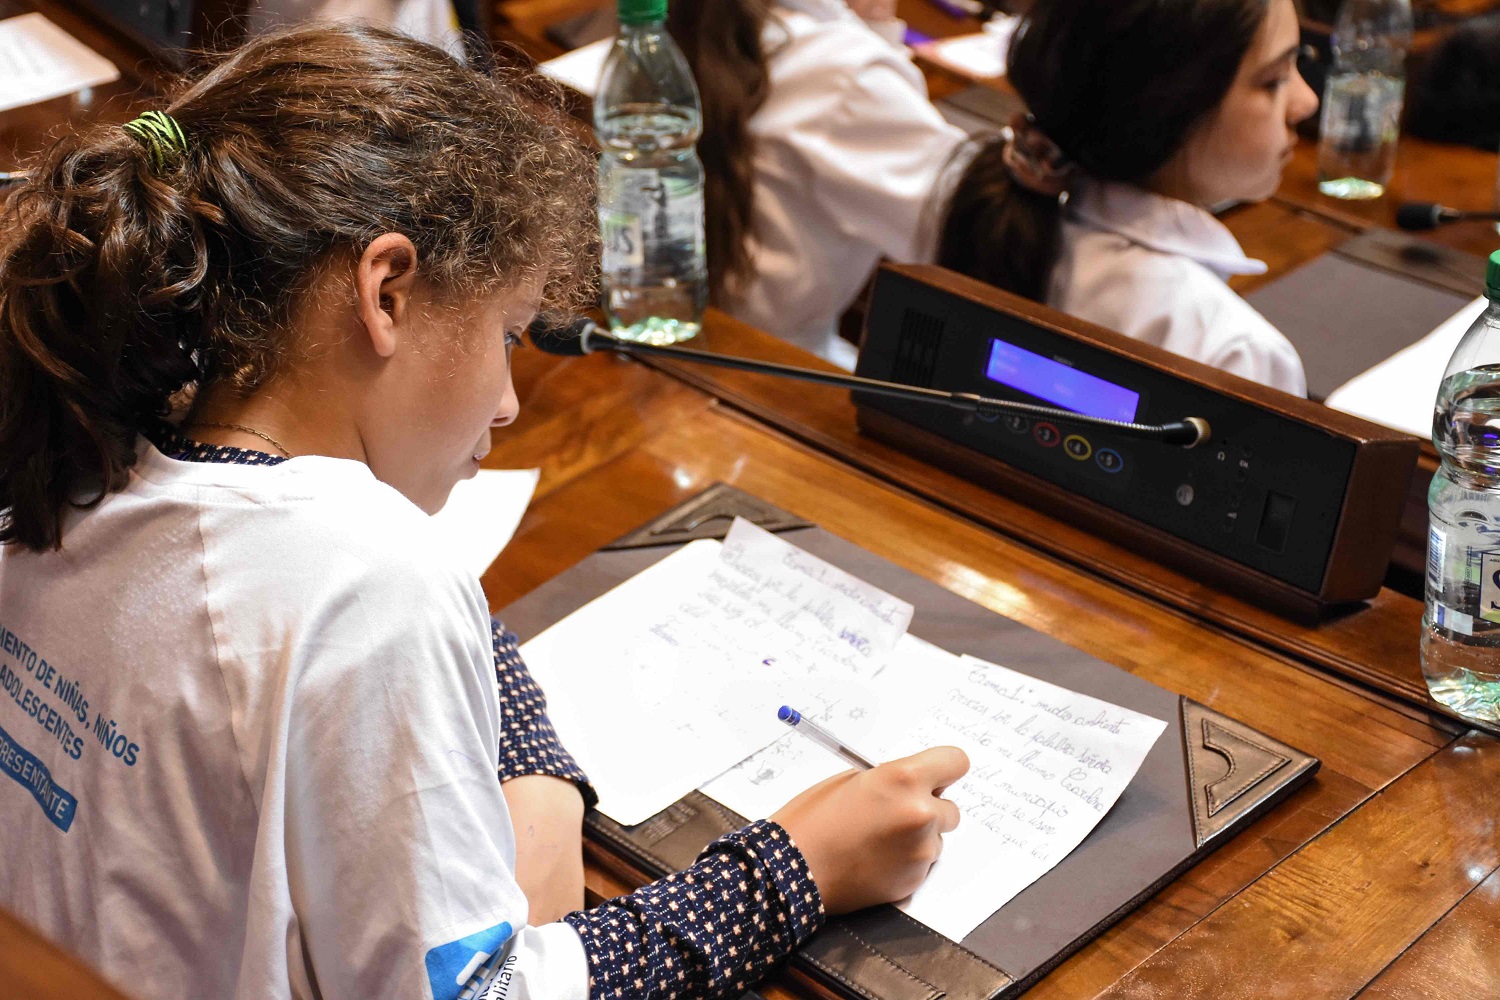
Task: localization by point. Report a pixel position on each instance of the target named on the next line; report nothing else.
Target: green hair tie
(162, 138)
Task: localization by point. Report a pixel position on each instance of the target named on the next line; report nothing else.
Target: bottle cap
(1492, 277)
(642, 11)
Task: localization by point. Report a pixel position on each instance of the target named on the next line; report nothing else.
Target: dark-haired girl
(1143, 114)
(820, 149)
(249, 724)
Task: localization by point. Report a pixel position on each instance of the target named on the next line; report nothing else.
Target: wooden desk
(25, 130)
(1317, 899)
(1377, 641)
(33, 968)
(1459, 176)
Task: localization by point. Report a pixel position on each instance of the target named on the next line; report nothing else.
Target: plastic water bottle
(1362, 99)
(647, 117)
(1461, 628)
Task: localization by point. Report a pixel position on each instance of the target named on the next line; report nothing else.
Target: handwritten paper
(863, 713)
(1046, 764)
(40, 61)
(675, 675)
(482, 515)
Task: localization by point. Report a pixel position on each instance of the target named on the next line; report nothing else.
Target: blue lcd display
(1058, 384)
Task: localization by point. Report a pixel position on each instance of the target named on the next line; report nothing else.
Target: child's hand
(870, 836)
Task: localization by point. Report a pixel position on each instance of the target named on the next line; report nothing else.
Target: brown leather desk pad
(1349, 309)
(1189, 796)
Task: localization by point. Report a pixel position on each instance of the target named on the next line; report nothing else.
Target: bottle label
(650, 220)
(1454, 621)
(624, 247)
(1489, 587)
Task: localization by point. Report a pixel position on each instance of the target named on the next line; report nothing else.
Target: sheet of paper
(581, 68)
(1046, 764)
(1399, 392)
(40, 61)
(861, 713)
(482, 514)
(675, 676)
(980, 56)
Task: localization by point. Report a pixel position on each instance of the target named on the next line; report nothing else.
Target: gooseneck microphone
(576, 337)
(1416, 216)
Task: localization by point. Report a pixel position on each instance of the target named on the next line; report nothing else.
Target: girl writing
(255, 741)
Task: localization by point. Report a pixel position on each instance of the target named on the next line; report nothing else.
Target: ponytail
(1117, 86)
(998, 231)
(102, 271)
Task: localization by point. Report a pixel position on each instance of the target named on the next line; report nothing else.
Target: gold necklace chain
(247, 430)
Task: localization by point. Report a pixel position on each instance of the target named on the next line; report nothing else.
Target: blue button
(1109, 460)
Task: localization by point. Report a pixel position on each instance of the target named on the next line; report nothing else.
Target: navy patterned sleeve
(713, 930)
(528, 743)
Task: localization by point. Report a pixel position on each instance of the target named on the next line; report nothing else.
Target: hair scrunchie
(161, 137)
(1034, 161)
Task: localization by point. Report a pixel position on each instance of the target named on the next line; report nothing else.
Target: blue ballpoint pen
(821, 736)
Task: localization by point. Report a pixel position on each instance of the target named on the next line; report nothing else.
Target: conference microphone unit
(1417, 216)
(1291, 504)
(580, 336)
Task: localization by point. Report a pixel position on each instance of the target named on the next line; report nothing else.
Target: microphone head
(1415, 216)
(1188, 432)
(568, 338)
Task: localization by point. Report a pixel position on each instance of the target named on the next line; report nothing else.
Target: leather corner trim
(1232, 769)
(708, 515)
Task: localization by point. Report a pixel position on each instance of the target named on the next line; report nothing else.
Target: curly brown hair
(121, 286)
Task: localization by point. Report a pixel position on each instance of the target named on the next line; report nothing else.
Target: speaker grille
(917, 348)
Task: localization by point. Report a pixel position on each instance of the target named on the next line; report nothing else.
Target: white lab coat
(1155, 268)
(847, 151)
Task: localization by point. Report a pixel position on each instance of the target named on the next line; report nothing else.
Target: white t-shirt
(1155, 268)
(847, 151)
(248, 745)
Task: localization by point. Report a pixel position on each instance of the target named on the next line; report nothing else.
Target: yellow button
(1077, 446)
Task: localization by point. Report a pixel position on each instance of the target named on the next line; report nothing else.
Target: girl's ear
(383, 282)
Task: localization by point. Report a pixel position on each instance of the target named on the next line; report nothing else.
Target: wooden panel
(34, 968)
(1330, 918)
(1460, 957)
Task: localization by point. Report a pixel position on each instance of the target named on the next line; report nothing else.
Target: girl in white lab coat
(1142, 114)
(820, 149)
